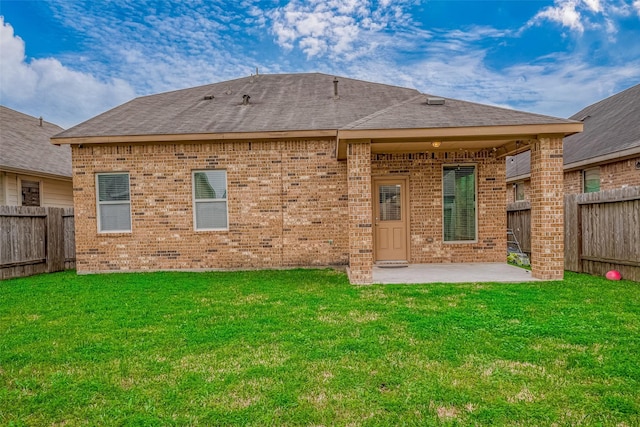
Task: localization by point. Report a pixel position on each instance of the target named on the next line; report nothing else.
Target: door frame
(375, 180)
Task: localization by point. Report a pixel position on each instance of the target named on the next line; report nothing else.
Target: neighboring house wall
(620, 174)
(53, 192)
(287, 206)
(573, 182)
(526, 189)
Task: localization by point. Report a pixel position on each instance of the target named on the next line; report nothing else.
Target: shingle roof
(25, 145)
(291, 102)
(415, 113)
(611, 125)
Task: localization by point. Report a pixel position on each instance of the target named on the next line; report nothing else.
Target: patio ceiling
(506, 140)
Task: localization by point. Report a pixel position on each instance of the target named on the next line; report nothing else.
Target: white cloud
(340, 29)
(564, 12)
(581, 15)
(45, 87)
(594, 5)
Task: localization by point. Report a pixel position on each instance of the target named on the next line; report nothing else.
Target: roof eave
(19, 171)
(191, 137)
(606, 158)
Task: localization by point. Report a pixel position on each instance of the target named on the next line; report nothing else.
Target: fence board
(519, 221)
(55, 242)
(69, 239)
(33, 240)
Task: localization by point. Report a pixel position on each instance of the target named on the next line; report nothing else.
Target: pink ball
(613, 275)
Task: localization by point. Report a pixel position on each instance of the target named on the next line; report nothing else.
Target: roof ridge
(604, 101)
(380, 112)
(513, 110)
(29, 116)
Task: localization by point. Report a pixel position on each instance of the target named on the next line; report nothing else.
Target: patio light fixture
(436, 144)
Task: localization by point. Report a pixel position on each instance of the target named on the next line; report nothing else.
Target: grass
(303, 347)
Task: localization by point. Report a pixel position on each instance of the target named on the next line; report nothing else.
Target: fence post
(55, 240)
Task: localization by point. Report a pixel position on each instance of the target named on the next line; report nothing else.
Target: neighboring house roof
(292, 102)
(25, 145)
(611, 130)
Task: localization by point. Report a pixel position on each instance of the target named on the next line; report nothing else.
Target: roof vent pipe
(245, 99)
(335, 88)
(40, 121)
(435, 101)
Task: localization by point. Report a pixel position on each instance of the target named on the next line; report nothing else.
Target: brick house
(605, 156)
(277, 171)
(32, 171)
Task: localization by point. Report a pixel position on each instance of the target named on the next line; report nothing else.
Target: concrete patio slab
(452, 273)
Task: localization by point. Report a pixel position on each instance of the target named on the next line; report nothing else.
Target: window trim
(115, 202)
(475, 182)
(515, 191)
(194, 202)
(584, 179)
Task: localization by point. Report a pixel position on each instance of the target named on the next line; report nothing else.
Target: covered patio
(439, 167)
(474, 272)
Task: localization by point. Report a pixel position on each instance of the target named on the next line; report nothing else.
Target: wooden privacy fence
(602, 231)
(35, 240)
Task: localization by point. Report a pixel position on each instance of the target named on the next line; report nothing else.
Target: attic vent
(245, 99)
(435, 101)
(208, 97)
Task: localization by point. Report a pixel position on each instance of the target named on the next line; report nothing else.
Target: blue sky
(69, 60)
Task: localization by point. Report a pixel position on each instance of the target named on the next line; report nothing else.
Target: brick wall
(290, 203)
(425, 197)
(287, 206)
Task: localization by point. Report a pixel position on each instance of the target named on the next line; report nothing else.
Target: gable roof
(610, 125)
(26, 148)
(285, 103)
(611, 131)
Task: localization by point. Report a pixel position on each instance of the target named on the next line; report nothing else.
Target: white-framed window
(210, 200)
(113, 202)
(591, 180)
(459, 203)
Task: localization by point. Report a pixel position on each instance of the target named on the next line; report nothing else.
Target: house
(32, 171)
(605, 156)
(276, 171)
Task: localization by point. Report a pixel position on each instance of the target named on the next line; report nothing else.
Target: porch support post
(360, 213)
(547, 209)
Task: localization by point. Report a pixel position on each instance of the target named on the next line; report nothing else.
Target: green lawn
(304, 347)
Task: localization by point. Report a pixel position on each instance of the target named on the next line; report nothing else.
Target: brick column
(547, 209)
(360, 213)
